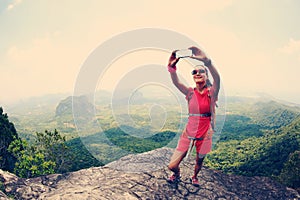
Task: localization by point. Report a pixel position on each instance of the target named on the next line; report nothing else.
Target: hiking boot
(174, 178)
(195, 181)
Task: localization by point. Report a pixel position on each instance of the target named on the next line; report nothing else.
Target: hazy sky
(255, 44)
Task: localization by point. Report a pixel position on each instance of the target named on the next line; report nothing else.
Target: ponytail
(208, 83)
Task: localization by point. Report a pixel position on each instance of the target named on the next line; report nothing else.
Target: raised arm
(200, 55)
(213, 70)
(172, 69)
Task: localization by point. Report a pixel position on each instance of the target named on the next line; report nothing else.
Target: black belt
(193, 138)
(200, 115)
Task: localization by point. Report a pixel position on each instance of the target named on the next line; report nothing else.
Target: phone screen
(184, 53)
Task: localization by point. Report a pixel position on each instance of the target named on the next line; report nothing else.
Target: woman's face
(199, 74)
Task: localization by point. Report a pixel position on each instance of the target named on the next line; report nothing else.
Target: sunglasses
(200, 71)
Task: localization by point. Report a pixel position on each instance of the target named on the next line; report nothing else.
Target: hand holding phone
(184, 53)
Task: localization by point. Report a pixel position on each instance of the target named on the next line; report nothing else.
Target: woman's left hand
(199, 54)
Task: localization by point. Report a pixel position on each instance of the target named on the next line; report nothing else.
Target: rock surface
(118, 181)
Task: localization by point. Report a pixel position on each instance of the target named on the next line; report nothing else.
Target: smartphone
(183, 53)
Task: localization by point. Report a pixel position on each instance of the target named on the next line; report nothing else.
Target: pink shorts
(202, 146)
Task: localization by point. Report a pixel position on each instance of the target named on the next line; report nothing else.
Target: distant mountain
(81, 104)
(273, 114)
(292, 128)
(263, 110)
(250, 117)
(258, 97)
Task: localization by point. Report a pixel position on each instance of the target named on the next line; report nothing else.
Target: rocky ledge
(142, 176)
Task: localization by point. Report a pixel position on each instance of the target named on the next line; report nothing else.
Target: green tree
(31, 162)
(53, 146)
(7, 134)
(48, 154)
(290, 174)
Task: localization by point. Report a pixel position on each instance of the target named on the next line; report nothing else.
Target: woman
(201, 104)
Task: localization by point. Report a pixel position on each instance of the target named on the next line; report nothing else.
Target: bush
(47, 155)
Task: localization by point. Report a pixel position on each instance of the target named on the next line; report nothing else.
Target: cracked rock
(142, 176)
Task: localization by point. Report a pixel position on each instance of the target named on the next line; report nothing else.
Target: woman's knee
(173, 166)
(176, 159)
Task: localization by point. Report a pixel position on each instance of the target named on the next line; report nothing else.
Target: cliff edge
(142, 176)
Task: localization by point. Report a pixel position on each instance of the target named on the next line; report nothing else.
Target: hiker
(201, 106)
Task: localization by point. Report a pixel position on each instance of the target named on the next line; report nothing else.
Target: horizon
(257, 95)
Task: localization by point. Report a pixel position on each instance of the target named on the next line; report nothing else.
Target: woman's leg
(176, 159)
(198, 165)
(203, 147)
(179, 153)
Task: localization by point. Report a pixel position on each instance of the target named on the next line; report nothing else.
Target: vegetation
(273, 115)
(138, 145)
(264, 156)
(31, 162)
(8, 134)
(290, 174)
(239, 127)
(48, 154)
(82, 158)
(258, 138)
(275, 154)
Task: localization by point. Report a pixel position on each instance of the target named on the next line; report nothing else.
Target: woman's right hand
(173, 60)
(199, 54)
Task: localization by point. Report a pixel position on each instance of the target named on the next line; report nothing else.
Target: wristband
(172, 69)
